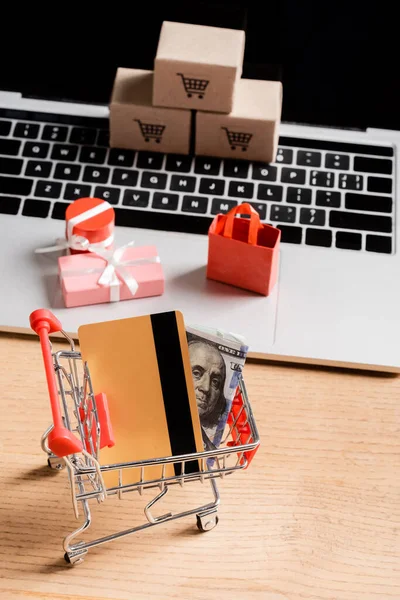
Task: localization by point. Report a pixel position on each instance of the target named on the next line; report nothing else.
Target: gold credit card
(142, 365)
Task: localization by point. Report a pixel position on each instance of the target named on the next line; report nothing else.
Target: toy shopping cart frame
(194, 86)
(238, 139)
(81, 418)
(151, 131)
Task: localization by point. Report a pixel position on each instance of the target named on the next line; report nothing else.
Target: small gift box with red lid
(89, 221)
(243, 252)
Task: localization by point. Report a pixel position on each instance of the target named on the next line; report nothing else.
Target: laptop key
(290, 235)
(312, 216)
(124, 177)
(207, 166)
(55, 133)
(195, 204)
(10, 147)
(359, 221)
(222, 206)
(337, 161)
(348, 240)
(350, 182)
(121, 158)
(212, 186)
(103, 138)
(379, 243)
(81, 135)
(236, 168)
(96, 174)
(59, 209)
(241, 189)
(165, 201)
(307, 158)
(36, 149)
(297, 176)
(26, 130)
(264, 172)
(73, 191)
(16, 186)
(106, 193)
(156, 181)
(373, 165)
(382, 185)
(286, 214)
(48, 189)
(10, 166)
(284, 156)
(150, 160)
(36, 208)
(298, 195)
(64, 152)
(67, 171)
(38, 168)
(261, 208)
(270, 192)
(5, 127)
(319, 237)
(183, 183)
(162, 221)
(369, 203)
(322, 178)
(329, 199)
(178, 163)
(95, 156)
(9, 205)
(136, 198)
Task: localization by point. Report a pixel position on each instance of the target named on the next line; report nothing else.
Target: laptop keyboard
(318, 193)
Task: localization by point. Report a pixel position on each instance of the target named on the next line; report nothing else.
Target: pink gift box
(79, 276)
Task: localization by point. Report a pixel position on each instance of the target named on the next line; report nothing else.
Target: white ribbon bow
(77, 242)
(117, 266)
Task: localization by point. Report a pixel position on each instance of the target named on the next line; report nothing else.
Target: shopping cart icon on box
(238, 139)
(193, 86)
(151, 131)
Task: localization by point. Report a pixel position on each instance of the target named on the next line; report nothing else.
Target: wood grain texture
(315, 517)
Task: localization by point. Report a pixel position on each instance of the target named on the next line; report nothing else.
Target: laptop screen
(333, 61)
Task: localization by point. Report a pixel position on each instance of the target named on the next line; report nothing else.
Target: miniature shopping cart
(238, 139)
(82, 426)
(151, 131)
(193, 86)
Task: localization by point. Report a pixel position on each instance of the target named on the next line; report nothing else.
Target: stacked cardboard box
(198, 69)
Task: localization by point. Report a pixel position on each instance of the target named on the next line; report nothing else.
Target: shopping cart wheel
(158, 140)
(207, 522)
(77, 555)
(189, 95)
(233, 147)
(146, 139)
(244, 149)
(201, 96)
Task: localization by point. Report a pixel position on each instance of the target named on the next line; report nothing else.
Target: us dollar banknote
(217, 359)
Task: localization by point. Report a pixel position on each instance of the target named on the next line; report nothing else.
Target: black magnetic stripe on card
(174, 388)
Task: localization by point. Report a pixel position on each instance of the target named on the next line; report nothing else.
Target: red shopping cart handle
(61, 440)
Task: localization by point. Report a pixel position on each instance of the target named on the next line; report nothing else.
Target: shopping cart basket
(238, 139)
(193, 86)
(81, 426)
(151, 131)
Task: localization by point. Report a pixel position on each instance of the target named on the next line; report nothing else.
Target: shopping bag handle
(225, 225)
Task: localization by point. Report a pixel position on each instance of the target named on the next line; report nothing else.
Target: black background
(338, 61)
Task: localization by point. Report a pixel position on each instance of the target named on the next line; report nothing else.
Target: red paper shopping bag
(243, 252)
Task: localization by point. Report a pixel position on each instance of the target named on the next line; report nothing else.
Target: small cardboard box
(197, 67)
(243, 252)
(250, 131)
(137, 125)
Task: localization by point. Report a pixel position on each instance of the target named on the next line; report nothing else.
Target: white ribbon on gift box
(115, 266)
(79, 242)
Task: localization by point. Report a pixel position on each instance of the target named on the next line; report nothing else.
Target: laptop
(332, 190)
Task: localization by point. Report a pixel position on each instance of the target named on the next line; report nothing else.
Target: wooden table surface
(316, 516)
